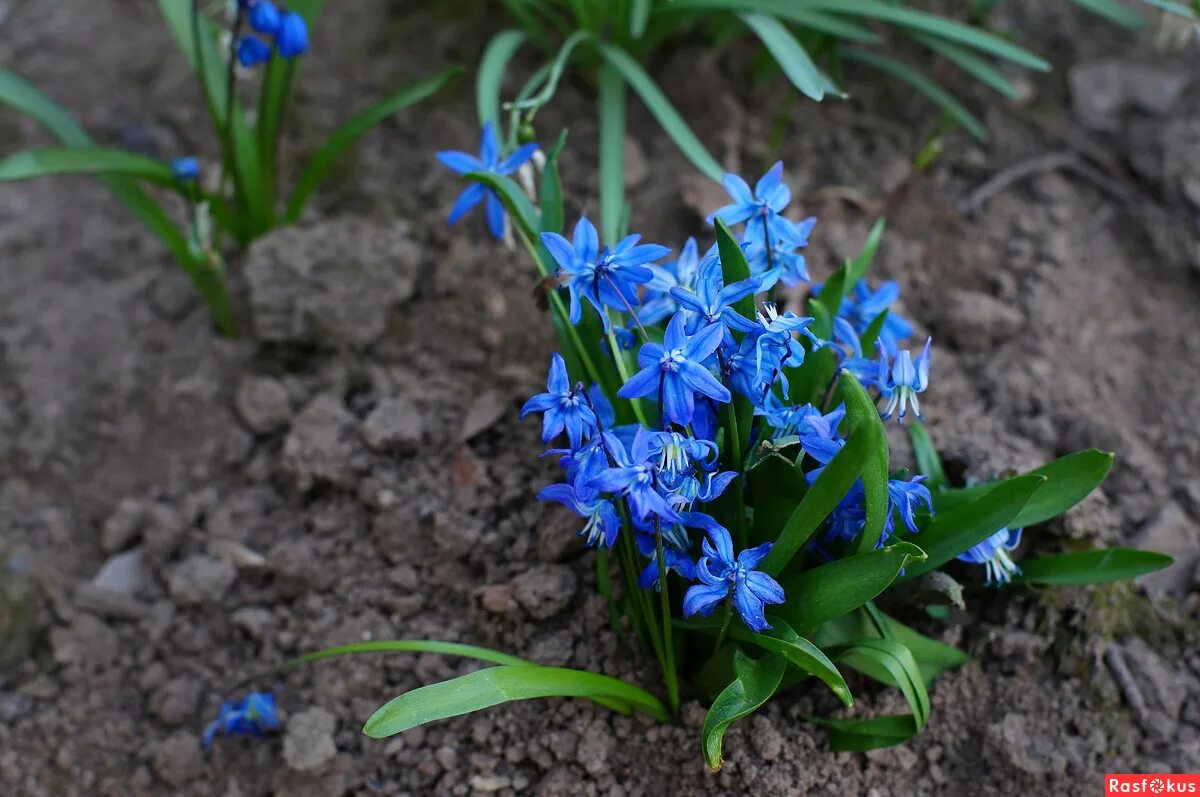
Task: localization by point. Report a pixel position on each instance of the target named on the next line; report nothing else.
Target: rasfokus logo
(1151, 784)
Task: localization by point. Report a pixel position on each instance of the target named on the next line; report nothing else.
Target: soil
(179, 510)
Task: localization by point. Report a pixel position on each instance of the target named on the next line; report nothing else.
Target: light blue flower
(720, 573)
(489, 160)
(562, 407)
(782, 261)
(635, 477)
(712, 301)
(603, 522)
(251, 715)
(903, 381)
(758, 209)
(675, 370)
(658, 303)
(185, 170)
(992, 553)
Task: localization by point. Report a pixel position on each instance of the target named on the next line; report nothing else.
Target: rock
(486, 409)
(545, 590)
(498, 599)
(395, 424)
(176, 759)
(294, 566)
(176, 701)
(163, 530)
(976, 321)
(331, 284)
(263, 404)
(595, 747)
(200, 580)
(1102, 90)
(86, 643)
(254, 620)
(308, 741)
(324, 446)
(122, 526)
(1171, 532)
(124, 574)
(1011, 742)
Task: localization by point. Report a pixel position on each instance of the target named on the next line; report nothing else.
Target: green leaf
(495, 685)
(832, 25)
(1092, 567)
(939, 96)
(658, 104)
(552, 218)
(825, 493)
(890, 663)
(928, 462)
(861, 413)
(823, 593)
(933, 657)
(871, 333)
(552, 77)
(971, 63)
(862, 261)
(84, 160)
(407, 646)
(612, 151)
(1113, 11)
(639, 14)
(859, 736)
(515, 201)
(492, 66)
(832, 293)
(753, 684)
(798, 651)
(23, 98)
(734, 267)
(1069, 480)
(353, 129)
(953, 532)
(788, 53)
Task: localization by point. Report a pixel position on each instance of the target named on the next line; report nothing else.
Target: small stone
(176, 701)
(595, 747)
(254, 620)
(163, 530)
(394, 425)
(308, 743)
(766, 738)
(324, 446)
(1010, 741)
(1171, 532)
(294, 566)
(124, 574)
(263, 404)
(1102, 90)
(545, 590)
(122, 526)
(176, 759)
(87, 643)
(485, 411)
(200, 580)
(976, 321)
(456, 535)
(498, 599)
(489, 783)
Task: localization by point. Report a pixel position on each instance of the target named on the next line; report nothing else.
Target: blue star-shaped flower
(675, 370)
(758, 209)
(603, 523)
(903, 381)
(251, 715)
(720, 573)
(992, 553)
(636, 477)
(489, 160)
(712, 302)
(658, 303)
(782, 261)
(562, 407)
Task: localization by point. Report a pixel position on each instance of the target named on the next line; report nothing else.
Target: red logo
(1152, 784)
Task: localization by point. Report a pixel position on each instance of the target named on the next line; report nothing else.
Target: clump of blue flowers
(280, 30)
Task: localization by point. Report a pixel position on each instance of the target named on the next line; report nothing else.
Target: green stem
(724, 624)
(664, 594)
(623, 370)
(605, 587)
(735, 448)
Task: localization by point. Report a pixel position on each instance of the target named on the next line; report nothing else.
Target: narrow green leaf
(832, 25)
(784, 641)
(492, 66)
(939, 96)
(84, 160)
(639, 14)
(612, 151)
(1092, 567)
(1171, 7)
(823, 593)
(859, 736)
(753, 684)
(928, 462)
(861, 413)
(1113, 11)
(862, 261)
(933, 657)
(788, 53)
(495, 685)
(890, 663)
(970, 62)
(515, 200)
(353, 129)
(953, 532)
(734, 267)
(658, 104)
(833, 291)
(871, 333)
(530, 101)
(552, 219)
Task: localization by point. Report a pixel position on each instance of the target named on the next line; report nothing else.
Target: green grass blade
(524, 214)
(753, 684)
(658, 104)
(784, 641)
(84, 160)
(496, 685)
(1091, 567)
(861, 413)
(859, 736)
(530, 101)
(861, 264)
(832, 25)
(1113, 11)
(496, 56)
(22, 97)
(353, 129)
(612, 152)
(639, 15)
(928, 462)
(939, 96)
(970, 62)
(890, 663)
(792, 58)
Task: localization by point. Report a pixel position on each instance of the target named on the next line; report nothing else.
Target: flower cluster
(282, 31)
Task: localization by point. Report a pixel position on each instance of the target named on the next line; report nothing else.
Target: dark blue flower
(252, 51)
(251, 715)
(861, 306)
(675, 371)
(712, 302)
(760, 208)
(605, 277)
(658, 303)
(753, 369)
(635, 477)
(265, 18)
(292, 38)
(992, 553)
(903, 381)
(489, 160)
(781, 261)
(603, 523)
(720, 573)
(777, 333)
(185, 170)
(906, 497)
(562, 407)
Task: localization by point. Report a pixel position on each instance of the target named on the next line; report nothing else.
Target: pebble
(200, 579)
(394, 425)
(545, 590)
(308, 743)
(1171, 532)
(263, 404)
(124, 573)
(324, 446)
(176, 701)
(176, 759)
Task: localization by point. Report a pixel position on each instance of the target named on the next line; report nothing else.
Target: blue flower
(712, 302)
(905, 497)
(748, 374)
(782, 261)
(252, 51)
(265, 18)
(759, 209)
(675, 371)
(658, 303)
(250, 715)
(603, 523)
(635, 477)
(992, 553)
(563, 406)
(862, 305)
(489, 160)
(603, 277)
(185, 170)
(292, 38)
(677, 452)
(777, 332)
(903, 381)
(720, 573)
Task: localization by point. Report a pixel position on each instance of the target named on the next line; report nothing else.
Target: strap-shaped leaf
(798, 651)
(861, 413)
(492, 66)
(788, 53)
(926, 455)
(353, 129)
(970, 62)
(612, 152)
(859, 736)
(495, 685)
(1092, 567)
(753, 684)
(933, 657)
(861, 263)
(1113, 11)
(84, 160)
(951, 533)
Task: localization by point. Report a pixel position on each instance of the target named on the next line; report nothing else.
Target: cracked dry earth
(177, 510)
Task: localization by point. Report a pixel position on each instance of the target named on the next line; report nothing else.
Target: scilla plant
(728, 463)
(255, 42)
